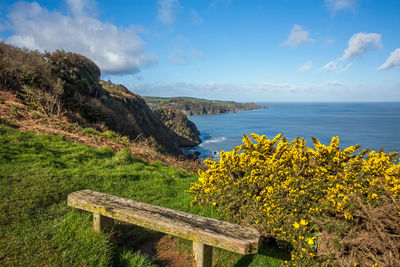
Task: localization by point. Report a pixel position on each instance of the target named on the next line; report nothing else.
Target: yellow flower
(276, 167)
(303, 222)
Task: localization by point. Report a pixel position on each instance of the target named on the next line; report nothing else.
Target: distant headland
(196, 106)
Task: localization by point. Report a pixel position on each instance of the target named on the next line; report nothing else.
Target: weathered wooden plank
(239, 239)
(202, 255)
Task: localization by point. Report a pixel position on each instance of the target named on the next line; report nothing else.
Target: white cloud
(115, 50)
(331, 66)
(342, 69)
(233, 91)
(337, 5)
(274, 92)
(360, 43)
(298, 36)
(81, 6)
(334, 83)
(167, 10)
(305, 67)
(393, 60)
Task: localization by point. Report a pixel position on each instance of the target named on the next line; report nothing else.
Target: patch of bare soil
(169, 254)
(161, 248)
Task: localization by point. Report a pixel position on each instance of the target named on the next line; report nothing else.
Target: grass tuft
(37, 228)
(37, 172)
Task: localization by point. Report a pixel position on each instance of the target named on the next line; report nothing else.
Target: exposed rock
(68, 83)
(180, 124)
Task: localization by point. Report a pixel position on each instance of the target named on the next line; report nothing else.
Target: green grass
(37, 228)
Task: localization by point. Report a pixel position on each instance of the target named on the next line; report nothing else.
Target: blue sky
(264, 51)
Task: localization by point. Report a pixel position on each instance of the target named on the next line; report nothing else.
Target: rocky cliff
(180, 124)
(68, 84)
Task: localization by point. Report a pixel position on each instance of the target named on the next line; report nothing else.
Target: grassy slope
(37, 228)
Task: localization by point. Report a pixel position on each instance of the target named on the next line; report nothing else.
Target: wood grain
(102, 223)
(202, 255)
(232, 237)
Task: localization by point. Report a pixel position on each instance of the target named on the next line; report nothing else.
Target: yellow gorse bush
(284, 188)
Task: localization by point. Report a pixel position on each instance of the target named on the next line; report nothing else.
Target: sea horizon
(373, 125)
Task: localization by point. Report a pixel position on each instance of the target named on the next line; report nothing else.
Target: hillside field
(37, 172)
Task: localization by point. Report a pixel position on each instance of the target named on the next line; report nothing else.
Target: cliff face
(128, 114)
(114, 98)
(180, 124)
(68, 84)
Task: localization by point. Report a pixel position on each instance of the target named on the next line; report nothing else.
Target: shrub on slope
(37, 228)
(339, 204)
(65, 83)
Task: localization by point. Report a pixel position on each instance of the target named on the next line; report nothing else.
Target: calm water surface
(372, 125)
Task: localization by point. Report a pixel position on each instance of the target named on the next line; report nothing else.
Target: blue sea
(371, 125)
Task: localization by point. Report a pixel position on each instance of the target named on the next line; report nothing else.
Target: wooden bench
(204, 232)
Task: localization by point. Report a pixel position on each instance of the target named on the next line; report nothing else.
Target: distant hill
(196, 106)
(65, 84)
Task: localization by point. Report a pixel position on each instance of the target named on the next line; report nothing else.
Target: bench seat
(201, 230)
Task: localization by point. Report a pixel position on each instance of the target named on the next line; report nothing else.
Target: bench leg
(202, 254)
(102, 223)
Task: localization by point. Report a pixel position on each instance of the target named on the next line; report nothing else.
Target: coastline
(372, 125)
